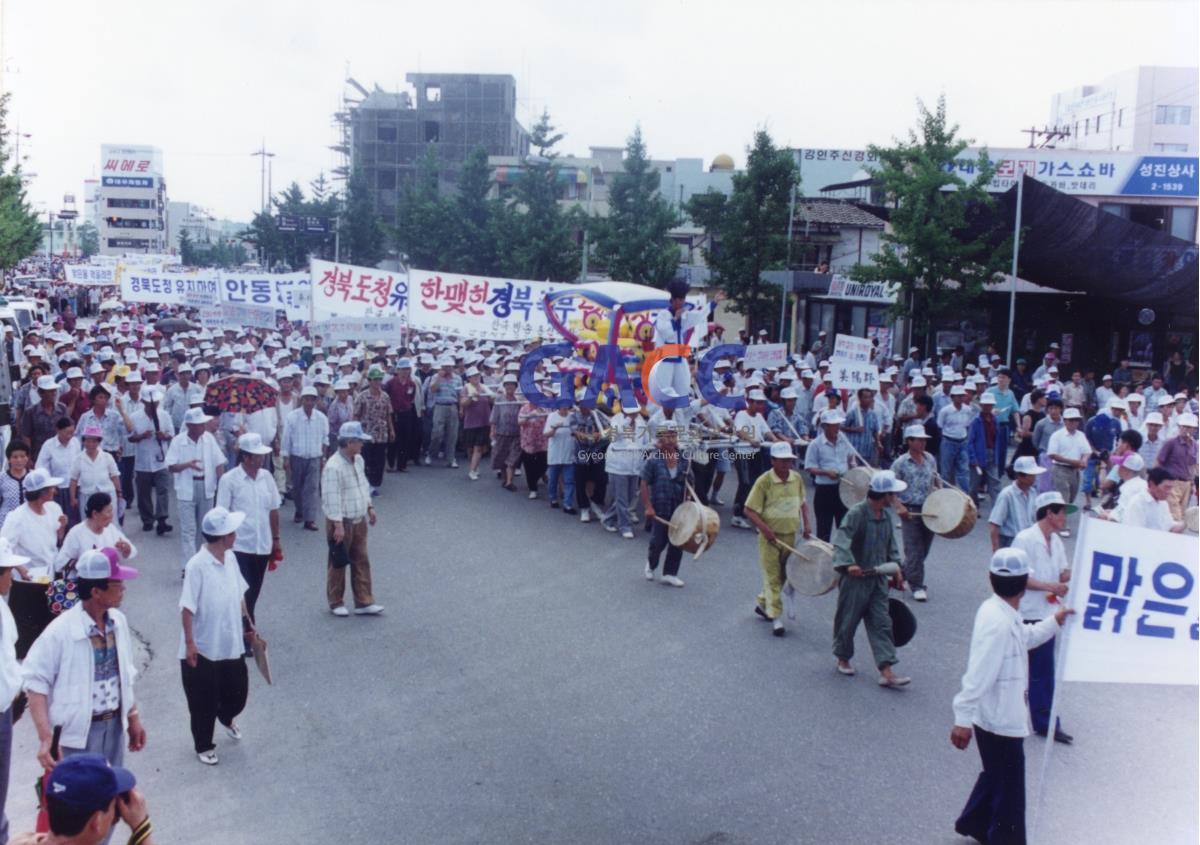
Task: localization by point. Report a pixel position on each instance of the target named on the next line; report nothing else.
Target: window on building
(1183, 222)
(1117, 208)
(433, 93)
(1154, 216)
(1170, 148)
(386, 133)
(1173, 115)
(1099, 122)
(433, 131)
(387, 180)
(1087, 125)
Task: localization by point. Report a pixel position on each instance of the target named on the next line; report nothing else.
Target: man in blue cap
(84, 798)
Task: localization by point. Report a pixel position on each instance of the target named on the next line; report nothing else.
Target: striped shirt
(305, 436)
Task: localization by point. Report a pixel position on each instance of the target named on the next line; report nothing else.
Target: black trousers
(749, 468)
(374, 456)
(658, 542)
(593, 472)
(829, 510)
(254, 570)
(407, 445)
(534, 464)
(125, 467)
(215, 690)
(995, 811)
(703, 473)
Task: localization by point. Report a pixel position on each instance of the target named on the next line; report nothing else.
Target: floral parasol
(240, 394)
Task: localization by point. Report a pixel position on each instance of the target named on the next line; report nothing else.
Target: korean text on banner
(345, 291)
(168, 288)
(235, 315)
(361, 328)
(849, 348)
(484, 308)
(286, 291)
(91, 276)
(1134, 592)
(761, 355)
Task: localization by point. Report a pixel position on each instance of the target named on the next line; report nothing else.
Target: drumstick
(665, 522)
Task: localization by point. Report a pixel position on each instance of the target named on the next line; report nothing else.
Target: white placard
(853, 349)
(853, 375)
(286, 291)
(1134, 592)
(761, 355)
(138, 285)
(235, 315)
(367, 328)
(89, 275)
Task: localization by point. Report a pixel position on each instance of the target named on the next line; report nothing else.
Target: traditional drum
(949, 512)
(1191, 518)
(904, 623)
(810, 569)
(854, 485)
(694, 527)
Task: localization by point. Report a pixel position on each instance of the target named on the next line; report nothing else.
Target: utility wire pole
(263, 155)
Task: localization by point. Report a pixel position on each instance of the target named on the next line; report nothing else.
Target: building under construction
(386, 134)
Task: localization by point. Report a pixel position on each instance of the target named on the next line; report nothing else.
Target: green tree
(89, 240)
(473, 249)
(187, 249)
(20, 229)
(748, 229)
(539, 242)
(423, 227)
(938, 267)
(361, 232)
(632, 242)
(278, 249)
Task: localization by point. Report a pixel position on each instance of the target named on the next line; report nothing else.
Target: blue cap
(404, 364)
(86, 349)
(88, 782)
(353, 430)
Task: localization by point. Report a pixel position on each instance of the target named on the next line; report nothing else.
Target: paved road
(527, 685)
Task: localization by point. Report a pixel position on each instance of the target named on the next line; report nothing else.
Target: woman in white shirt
(97, 531)
(57, 457)
(94, 471)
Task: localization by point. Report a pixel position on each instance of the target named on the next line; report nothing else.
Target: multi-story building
(388, 133)
(1141, 110)
(132, 200)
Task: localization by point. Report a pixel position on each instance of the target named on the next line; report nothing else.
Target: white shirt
(58, 459)
(81, 539)
(625, 451)
(305, 436)
(10, 669)
(1074, 447)
(997, 677)
(1143, 511)
(265, 423)
(34, 536)
(213, 592)
(149, 455)
(1046, 563)
(183, 450)
(256, 498)
(94, 476)
(754, 427)
(60, 665)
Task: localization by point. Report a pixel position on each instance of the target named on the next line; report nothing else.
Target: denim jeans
(567, 473)
(952, 463)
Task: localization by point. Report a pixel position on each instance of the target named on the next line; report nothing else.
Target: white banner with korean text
(88, 275)
(344, 291)
(1134, 592)
(238, 314)
(141, 285)
(288, 292)
(850, 348)
(759, 355)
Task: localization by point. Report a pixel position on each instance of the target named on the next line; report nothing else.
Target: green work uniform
(867, 541)
(778, 503)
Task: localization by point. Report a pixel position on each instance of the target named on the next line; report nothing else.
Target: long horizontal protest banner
(345, 291)
(89, 275)
(354, 328)
(1135, 594)
(138, 285)
(286, 291)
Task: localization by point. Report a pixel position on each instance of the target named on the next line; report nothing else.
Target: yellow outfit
(779, 504)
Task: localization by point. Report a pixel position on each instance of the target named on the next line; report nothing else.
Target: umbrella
(112, 305)
(240, 394)
(174, 324)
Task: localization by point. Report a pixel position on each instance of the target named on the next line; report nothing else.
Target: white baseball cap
(1009, 562)
(1027, 465)
(196, 416)
(885, 481)
(832, 417)
(782, 451)
(1072, 414)
(1134, 463)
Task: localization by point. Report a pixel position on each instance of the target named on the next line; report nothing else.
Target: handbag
(339, 555)
(62, 594)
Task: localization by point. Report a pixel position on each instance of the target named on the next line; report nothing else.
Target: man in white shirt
(991, 703)
(182, 395)
(305, 437)
(954, 422)
(79, 673)
(1049, 573)
(197, 463)
(10, 672)
(1148, 508)
(152, 433)
(1069, 451)
(752, 431)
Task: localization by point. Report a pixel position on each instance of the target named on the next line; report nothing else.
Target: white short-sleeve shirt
(256, 498)
(212, 591)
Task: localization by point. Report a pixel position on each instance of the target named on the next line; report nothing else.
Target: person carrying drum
(664, 477)
(918, 471)
(865, 540)
(775, 506)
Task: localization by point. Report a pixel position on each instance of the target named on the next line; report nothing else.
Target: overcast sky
(207, 82)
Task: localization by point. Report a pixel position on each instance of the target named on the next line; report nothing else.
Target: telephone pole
(263, 155)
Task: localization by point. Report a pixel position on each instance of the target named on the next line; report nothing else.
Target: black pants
(995, 812)
(829, 510)
(254, 570)
(534, 464)
(125, 466)
(749, 468)
(374, 455)
(593, 472)
(215, 689)
(153, 496)
(407, 445)
(658, 542)
(703, 473)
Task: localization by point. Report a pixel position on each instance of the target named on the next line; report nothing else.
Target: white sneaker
(919, 594)
(454, 465)
(597, 511)
(233, 730)
(777, 627)
(428, 461)
(516, 473)
(474, 476)
(627, 534)
(369, 610)
(208, 758)
(585, 515)
(649, 573)
(673, 580)
(340, 610)
(739, 522)
(608, 526)
(533, 494)
(1064, 533)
